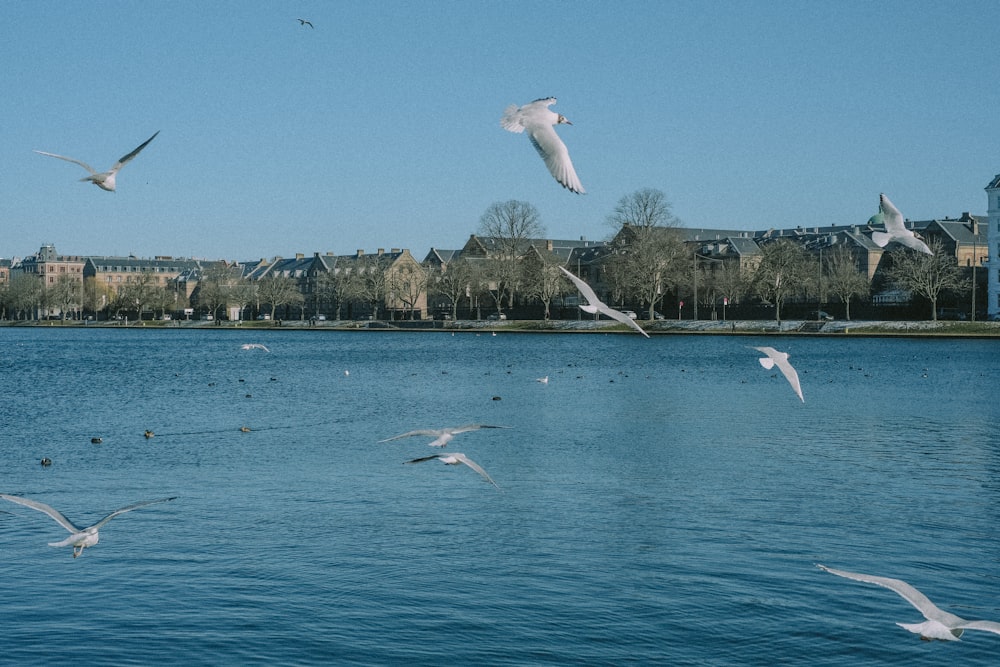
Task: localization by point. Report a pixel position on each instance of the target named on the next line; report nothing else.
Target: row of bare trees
(648, 261)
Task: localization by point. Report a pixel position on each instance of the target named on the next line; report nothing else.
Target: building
(993, 245)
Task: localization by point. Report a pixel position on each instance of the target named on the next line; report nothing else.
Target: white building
(993, 238)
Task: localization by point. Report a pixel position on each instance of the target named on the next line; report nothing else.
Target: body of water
(662, 501)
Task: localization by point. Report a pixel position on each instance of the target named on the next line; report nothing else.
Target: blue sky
(380, 127)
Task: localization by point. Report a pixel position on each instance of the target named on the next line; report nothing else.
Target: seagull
(454, 459)
(595, 305)
(254, 346)
(895, 230)
(80, 538)
(443, 435)
(939, 624)
(303, 22)
(543, 380)
(538, 120)
(104, 180)
(780, 359)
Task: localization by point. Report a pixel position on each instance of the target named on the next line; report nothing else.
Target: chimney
(299, 255)
(394, 251)
(548, 245)
(381, 251)
(361, 252)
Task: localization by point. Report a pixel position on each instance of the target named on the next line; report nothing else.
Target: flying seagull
(80, 538)
(895, 230)
(443, 435)
(104, 180)
(595, 305)
(304, 22)
(939, 624)
(539, 121)
(780, 359)
(454, 459)
(254, 346)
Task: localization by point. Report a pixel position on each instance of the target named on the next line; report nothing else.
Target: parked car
(495, 316)
(821, 315)
(264, 317)
(630, 313)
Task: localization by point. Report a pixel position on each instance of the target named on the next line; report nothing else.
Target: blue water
(663, 501)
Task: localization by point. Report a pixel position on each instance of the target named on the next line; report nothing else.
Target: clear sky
(380, 126)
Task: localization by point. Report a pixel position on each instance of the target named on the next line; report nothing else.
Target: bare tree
(242, 294)
(407, 283)
(926, 275)
(373, 281)
(278, 291)
(648, 256)
(455, 280)
(215, 286)
(783, 272)
(24, 294)
(542, 278)
(96, 296)
(66, 295)
(136, 295)
(730, 282)
(338, 286)
(843, 277)
(511, 225)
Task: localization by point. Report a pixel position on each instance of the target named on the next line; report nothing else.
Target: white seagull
(104, 180)
(780, 359)
(939, 624)
(254, 346)
(454, 459)
(443, 435)
(895, 229)
(80, 538)
(595, 305)
(539, 121)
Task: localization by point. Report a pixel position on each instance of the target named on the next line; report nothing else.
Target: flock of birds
(539, 122)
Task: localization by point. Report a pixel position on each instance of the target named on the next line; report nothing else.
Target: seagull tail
(509, 121)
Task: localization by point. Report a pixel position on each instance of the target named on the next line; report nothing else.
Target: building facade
(993, 242)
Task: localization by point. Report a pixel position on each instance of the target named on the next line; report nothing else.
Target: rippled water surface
(663, 501)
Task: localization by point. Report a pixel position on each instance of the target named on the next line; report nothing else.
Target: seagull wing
(988, 626)
(126, 158)
(584, 288)
(470, 427)
(69, 159)
(911, 241)
(421, 431)
(129, 508)
(790, 375)
(892, 218)
(427, 458)
(556, 156)
(881, 239)
(475, 466)
(622, 317)
(42, 507)
(930, 611)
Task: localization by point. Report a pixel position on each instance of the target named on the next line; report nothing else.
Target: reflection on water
(664, 500)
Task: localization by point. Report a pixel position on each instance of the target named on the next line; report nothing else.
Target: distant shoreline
(837, 328)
